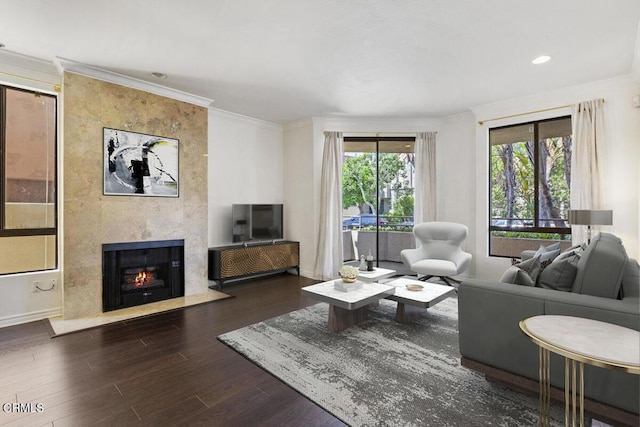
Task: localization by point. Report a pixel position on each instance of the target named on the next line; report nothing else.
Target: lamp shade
(590, 217)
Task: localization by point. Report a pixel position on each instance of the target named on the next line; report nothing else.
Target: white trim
(112, 77)
(29, 73)
(18, 319)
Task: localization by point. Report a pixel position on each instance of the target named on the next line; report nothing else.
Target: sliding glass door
(377, 193)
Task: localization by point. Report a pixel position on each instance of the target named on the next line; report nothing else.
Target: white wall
(299, 185)
(245, 163)
(17, 303)
(624, 157)
(456, 177)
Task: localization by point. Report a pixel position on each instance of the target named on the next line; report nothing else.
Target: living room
(244, 159)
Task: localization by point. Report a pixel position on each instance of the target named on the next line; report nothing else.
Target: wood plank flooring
(163, 370)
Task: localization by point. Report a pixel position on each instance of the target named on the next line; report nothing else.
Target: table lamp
(590, 217)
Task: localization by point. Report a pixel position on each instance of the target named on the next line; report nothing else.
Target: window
(530, 177)
(28, 226)
(377, 195)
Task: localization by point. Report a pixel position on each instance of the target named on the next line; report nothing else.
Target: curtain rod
(481, 122)
(56, 87)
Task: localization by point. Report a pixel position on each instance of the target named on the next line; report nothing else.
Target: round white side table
(580, 341)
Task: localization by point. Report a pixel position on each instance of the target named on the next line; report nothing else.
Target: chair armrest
(411, 256)
(462, 260)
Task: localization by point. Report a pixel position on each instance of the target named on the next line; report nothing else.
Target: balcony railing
(384, 222)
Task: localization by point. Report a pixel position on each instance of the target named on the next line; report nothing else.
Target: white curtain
(329, 254)
(588, 161)
(425, 183)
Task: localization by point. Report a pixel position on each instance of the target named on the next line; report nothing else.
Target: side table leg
(545, 388)
(567, 386)
(573, 392)
(581, 394)
(571, 405)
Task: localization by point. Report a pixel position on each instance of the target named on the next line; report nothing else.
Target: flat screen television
(256, 222)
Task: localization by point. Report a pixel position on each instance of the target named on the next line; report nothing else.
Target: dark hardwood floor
(162, 370)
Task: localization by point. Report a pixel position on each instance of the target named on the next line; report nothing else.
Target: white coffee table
(376, 275)
(347, 308)
(412, 303)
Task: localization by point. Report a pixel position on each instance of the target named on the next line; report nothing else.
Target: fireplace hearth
(136, 273)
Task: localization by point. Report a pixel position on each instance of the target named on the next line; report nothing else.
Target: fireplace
(137, 273)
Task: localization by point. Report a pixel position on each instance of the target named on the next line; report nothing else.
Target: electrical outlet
(36, 286)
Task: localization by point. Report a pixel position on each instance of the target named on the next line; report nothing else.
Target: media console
(248, 260)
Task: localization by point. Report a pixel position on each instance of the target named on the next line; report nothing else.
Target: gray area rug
(383, 373)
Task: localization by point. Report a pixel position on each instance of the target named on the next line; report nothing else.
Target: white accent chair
(438, 252)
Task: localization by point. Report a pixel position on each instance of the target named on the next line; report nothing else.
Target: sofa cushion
(523, 273)
(560, 274)
(601, 267)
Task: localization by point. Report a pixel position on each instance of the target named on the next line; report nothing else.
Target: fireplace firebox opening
(136, 273)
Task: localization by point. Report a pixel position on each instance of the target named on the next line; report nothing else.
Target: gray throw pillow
(578, 249)
(516, 276)
(553, 247)
(560, 274)
(524, 273)
(547, 255)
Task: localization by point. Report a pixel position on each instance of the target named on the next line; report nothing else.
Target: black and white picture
(139, 164)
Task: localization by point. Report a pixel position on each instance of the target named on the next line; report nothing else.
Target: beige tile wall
(91, 219)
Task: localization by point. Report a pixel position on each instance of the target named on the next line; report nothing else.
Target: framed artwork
(136, 164)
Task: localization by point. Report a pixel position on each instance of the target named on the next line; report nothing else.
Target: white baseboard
(30, 317)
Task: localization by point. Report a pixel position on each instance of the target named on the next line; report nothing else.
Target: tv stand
(247, 260)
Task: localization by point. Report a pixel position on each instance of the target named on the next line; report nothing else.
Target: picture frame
(137, 164)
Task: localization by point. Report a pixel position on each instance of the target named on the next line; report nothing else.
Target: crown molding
(63, 64)
(28, 72)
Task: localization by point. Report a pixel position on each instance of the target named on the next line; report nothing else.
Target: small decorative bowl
(414, 287)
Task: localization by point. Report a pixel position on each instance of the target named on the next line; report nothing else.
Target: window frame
(26, 232)
(564, 232)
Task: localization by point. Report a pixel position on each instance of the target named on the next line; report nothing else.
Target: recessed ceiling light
(157, 75)
(541, 59)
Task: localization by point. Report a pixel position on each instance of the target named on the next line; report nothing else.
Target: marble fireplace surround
(91, 218)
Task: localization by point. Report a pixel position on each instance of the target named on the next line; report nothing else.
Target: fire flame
(142, 278)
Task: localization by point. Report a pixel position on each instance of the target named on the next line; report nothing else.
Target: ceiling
(284, 60)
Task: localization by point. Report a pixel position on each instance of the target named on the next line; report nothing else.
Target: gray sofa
(605, 286)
